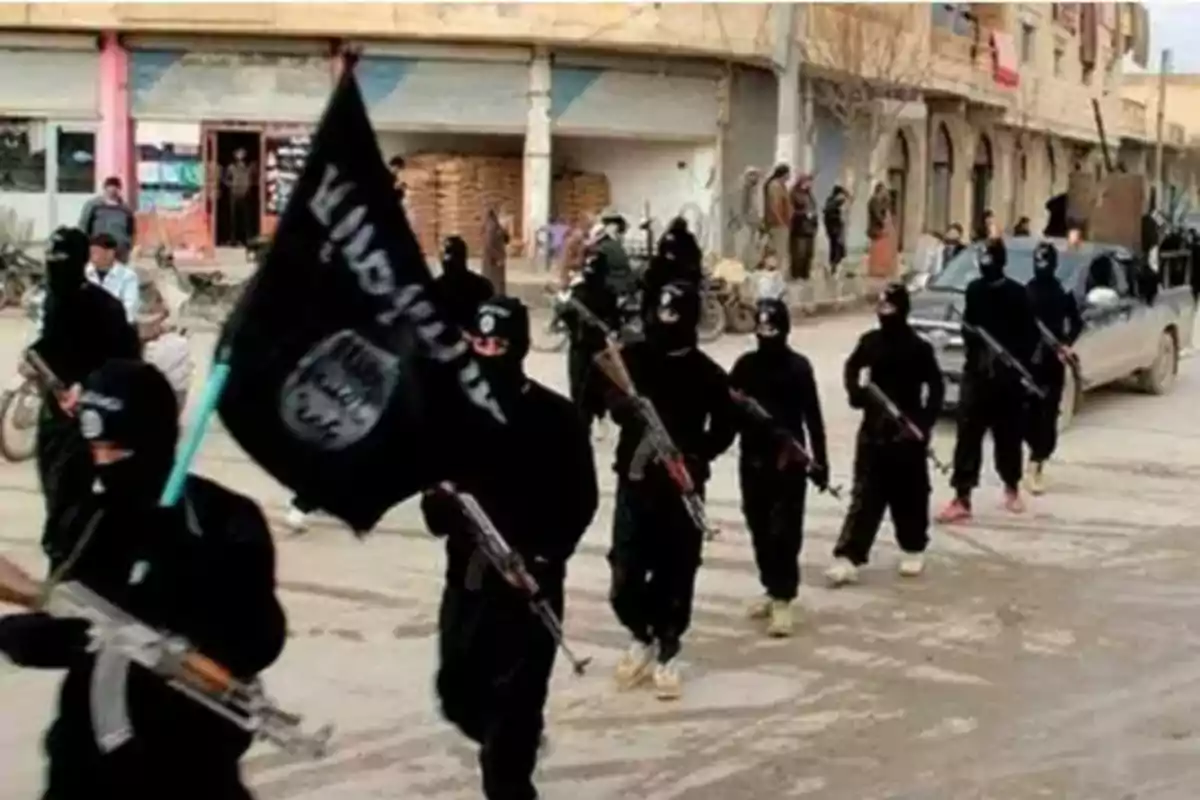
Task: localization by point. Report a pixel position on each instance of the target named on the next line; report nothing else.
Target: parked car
(1125, 333)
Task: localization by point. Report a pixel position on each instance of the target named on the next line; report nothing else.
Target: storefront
(221, 132)
(457, 116)
(650, 128)
(49, 116)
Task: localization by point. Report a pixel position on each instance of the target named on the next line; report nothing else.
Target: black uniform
(678, 260)
(204, 570)
(586, 386)
(459, 291)
(1057, 310)
(656, 547)
(782, 381)
(992, 395)
(83, 327)
(891, 472)
(496, 657)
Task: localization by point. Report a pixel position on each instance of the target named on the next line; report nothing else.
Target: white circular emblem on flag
(90, 424)
(487, 324)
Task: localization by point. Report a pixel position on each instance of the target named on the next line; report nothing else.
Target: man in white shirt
(117, 279)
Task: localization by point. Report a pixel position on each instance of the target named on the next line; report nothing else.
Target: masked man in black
(773, 481)
(890, 469)
(203, 570)
(496, 657)
(83, 326)
(1058, 313)
(678, 260)
(656, 546)
(992, 395)
(459, 290)
(587, 340)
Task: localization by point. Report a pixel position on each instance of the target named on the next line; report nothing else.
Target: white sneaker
(668, 683)
(841, 572)
(634, 666)
(760, 609)
(297, 520)
(911, 565)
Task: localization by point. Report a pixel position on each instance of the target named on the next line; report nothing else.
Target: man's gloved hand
(819, 475)
(443, 514)
(42, 641)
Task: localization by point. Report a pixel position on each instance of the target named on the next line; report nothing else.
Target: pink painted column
(114, 142)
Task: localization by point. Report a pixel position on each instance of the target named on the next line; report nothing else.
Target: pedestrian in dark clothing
(495, 250)
(203, 571)
(109, 213)
(240, 179)
(992, 397)
(890, 468)
(773, 492)
(1055, 308)
(678, 260)
(458, 291)
(84, 326)
(803, 233)
(586, 385)
(656, 545)
(835, 225)
(495, 655)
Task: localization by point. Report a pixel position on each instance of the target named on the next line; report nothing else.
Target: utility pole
(1160, 172)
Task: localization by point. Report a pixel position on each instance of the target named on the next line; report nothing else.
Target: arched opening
(941, 170)
(897, 183)
(981, 183)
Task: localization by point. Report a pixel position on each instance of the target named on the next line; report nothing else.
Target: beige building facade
(957, 108)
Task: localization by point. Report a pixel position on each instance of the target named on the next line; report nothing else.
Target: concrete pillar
(537, 172)
(808, 144)
(51, 152)
(114, 140)
(788, 19)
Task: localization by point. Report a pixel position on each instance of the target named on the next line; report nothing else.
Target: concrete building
(956, 107)
(1140, 95)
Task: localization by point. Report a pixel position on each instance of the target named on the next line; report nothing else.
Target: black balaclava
(131, 405)
(991, 257)
(676, 315)
(1045, 262)
(67, 256)
(774, 323)
(893, 307)
(595, 268)
(454, 256)
(501, 344)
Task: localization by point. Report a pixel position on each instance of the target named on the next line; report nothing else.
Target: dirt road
(1052, 655)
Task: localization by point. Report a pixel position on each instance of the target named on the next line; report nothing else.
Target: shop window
(76, 162)
(1028, 42)
(22, 155)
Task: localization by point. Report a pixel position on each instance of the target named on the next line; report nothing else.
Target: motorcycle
(554, 336)
(18, 272)
(21, 402)
(211, 296)
(713, 319)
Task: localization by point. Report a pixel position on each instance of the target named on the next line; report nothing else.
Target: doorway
(236, 172)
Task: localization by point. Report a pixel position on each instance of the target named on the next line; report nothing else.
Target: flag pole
(214, 387)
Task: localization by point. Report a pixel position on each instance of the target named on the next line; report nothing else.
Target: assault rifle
(510, 564)
(656, 442)
(118, 638)
(906, 425)
(794, 448)
(1067, 356)
(1000, 352)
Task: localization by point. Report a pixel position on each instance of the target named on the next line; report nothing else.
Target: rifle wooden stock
(45, 374)
(613, 366)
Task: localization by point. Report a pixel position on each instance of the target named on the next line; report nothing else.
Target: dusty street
(1055, 655)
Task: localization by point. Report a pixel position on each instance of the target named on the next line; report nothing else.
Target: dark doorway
(238, 207)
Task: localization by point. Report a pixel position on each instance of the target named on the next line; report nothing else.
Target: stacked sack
(459, 205)
(501, 184)
(579, 195)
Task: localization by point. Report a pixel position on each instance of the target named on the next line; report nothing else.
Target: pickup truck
(1125, 335)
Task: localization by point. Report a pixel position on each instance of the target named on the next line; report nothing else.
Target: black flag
(347, 383)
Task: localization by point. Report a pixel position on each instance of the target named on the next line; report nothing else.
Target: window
(76, 162)
(22, 155)
(1028, 43)
(1059, 57)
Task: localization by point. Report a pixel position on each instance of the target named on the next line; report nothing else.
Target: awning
(1004, 53)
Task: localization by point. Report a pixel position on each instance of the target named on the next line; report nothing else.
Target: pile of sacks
(578, 196)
